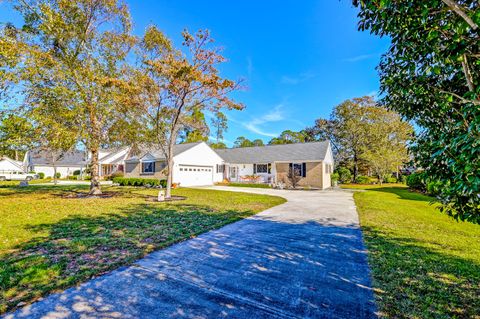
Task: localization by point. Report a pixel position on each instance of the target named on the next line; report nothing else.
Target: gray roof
(314, 151)
(72, 158)
(158, 153)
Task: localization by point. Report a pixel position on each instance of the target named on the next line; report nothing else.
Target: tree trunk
(168, 193)
(16, 155)
(355, 167)
(94, 182)
(55, 181)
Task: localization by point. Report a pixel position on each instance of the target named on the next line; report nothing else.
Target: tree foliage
(431, 74)
(171, 89)
(72, 62)
(365, 134)
(288, 137)
(15, 135)
(242, 141)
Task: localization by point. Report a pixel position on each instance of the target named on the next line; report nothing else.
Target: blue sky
(299, 58)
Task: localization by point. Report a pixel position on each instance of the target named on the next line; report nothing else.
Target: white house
(9, 165)
(110, 161)
(194, 164)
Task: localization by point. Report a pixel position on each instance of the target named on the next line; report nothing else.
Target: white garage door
(195, 175)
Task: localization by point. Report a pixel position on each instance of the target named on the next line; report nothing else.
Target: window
(148, 167)
(220, 168)
(299, 169)
(260, 168)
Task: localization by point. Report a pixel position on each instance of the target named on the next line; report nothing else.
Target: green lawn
(49, 242)
(424, 264)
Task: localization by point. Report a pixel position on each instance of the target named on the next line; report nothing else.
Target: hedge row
(124, 181)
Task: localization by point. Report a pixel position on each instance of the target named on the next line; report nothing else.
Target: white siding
(200, 155)
(48, 170)
(327, 181)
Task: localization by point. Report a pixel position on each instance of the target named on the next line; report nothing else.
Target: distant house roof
(314, 151)
(158, 154)
(17, 164)
(72, 158)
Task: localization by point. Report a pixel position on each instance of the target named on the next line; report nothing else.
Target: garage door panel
(191, 175)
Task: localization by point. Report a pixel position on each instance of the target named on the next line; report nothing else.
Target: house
(311, 162)
(41, 161)
(110, 161)
(194, 164)
(9, 165)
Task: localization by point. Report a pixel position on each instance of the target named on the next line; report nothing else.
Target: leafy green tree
(431, 75)
(387, 137)
(75, 52)
(288, 137)
(242, 141)
(170, 87)
(257, 142)
(16, 134)
(218, 145)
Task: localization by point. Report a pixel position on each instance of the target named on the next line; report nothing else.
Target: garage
(193, 175)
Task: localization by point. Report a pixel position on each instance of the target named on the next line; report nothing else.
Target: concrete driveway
(302, 259)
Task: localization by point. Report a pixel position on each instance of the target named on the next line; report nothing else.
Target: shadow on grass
(80, 247)
(415, 281)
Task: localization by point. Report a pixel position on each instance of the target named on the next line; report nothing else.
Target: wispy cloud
(292, 80)
(361, 57)
(255, 125)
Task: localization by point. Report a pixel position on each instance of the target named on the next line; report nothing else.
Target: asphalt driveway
(302, 259)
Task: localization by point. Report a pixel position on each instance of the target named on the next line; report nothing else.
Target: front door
(233, 173)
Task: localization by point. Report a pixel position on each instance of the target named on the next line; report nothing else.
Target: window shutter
(290, 168)
(304, 169)
(254, 168)
(269, 170)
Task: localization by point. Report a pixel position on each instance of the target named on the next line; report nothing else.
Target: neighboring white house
(194, 164)
(40, 161)
(9, 165)
(110, 161)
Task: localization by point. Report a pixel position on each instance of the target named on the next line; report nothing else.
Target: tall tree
(74, 51)
(387, 137)
(431, 74)
(220, 123)
(242, 141)
(174, 85)
(288, 137)
(257, 142)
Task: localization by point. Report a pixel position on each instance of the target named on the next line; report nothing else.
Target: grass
(49, 242)
(253, 185)
(424, 264)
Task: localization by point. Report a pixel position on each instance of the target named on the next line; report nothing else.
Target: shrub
(72, 177)
(113, 175)
(58, 175)
(334, 178)
(417, 181)
(390, 179)
(76, 173)
(133, 181)
(363, 180)
(344, 175)
(41, 175)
